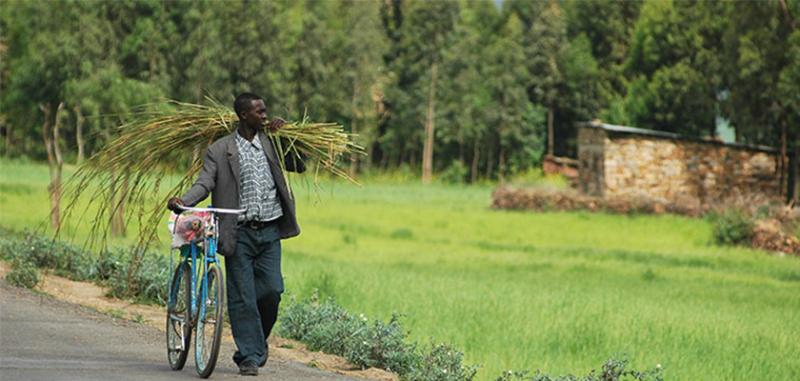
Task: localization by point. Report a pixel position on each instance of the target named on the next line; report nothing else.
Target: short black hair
(244, 102)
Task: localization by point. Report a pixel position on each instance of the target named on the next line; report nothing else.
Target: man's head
(251, 110)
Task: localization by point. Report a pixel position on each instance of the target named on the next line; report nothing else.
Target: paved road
(45, 339)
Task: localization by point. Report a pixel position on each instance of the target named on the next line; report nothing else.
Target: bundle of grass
(128, 172)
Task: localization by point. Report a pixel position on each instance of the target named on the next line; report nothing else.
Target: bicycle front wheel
(179, 329)
(209, 323)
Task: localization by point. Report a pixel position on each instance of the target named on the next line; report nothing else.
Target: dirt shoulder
(93, 296)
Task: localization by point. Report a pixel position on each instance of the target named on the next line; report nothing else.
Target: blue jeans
(254, 285)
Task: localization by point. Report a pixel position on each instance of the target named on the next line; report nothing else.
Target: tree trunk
(476, 152)
(79, 132)
(118, 228)
(353, 157)
(784, 189)
(501, 165)
(7, 128)
(788, 14)
(54, 160)
(550, 132)
(795, 177)
(354, 129)
(461, 153)
(427, 154)
(489, 162)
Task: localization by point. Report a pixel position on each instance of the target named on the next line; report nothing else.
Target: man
(242, 171)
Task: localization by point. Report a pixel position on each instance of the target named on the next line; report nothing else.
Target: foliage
(537, 178)
(612, 370)
(328, 327)
(110, 268)
(456, 173)
(503, 67)
(732, 227)
(23, 274)
(442, 363)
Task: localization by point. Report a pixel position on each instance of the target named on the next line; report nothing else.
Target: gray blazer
(220, 176)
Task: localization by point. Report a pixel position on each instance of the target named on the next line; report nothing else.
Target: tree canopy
(486, 87)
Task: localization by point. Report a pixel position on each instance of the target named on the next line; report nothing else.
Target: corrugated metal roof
(670, 135)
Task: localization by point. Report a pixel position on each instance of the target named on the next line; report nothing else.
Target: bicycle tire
(179, 317)
(209, 324)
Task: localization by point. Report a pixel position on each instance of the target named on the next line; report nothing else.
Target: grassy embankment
(560, 292)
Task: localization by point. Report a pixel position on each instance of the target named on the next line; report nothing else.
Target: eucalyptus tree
(426, 32)
(517, 122)
(362, 43)
(43, 55)
(608, 26)
(466, 99)
(674, 66)
(762, 45)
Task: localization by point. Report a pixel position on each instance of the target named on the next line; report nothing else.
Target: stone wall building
(626, 161)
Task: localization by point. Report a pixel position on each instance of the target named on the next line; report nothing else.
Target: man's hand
(275, 124)
(173, 204)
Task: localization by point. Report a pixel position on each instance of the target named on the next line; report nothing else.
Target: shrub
(23, 274)
(456, 173)
(534, 176)
(442, 363)
(731, 227)
(147, 284)
(612, 370)
(382, 345)
(328, 327)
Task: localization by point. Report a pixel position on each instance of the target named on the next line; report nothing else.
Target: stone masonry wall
(674, 170)
(590, 159)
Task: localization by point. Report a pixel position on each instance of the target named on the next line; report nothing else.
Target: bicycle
(196, 298)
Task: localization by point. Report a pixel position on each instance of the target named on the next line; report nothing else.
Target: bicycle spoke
(209, 327)
(178, 319)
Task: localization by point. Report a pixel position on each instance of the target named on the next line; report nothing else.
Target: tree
(608, 26)
(763, 44)
(674, 67)
(42, 62)
(465, 93)
(363, 45)
(516, 120)
(426, 33)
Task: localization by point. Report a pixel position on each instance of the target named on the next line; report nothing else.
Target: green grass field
(560, 292)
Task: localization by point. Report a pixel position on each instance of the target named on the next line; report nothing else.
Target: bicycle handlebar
(211, 210)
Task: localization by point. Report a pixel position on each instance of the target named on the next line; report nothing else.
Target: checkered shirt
(258, 194)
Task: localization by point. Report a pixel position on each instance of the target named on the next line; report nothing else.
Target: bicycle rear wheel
(209, 323)
(179, 329)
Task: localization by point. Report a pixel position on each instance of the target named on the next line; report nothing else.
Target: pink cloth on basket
(188, 227)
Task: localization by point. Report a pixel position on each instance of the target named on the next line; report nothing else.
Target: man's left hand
(275, 124)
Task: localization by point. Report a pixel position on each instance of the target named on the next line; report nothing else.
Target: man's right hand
(173, 204)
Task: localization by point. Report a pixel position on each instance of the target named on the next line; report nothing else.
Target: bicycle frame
(199, 257)
(209, 242)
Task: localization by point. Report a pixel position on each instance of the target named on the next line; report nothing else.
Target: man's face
(256, 116)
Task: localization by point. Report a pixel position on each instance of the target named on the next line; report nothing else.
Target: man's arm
(201, 188)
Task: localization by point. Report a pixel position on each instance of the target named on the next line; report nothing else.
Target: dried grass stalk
(128, 172)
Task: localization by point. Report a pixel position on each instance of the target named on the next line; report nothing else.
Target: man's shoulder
(220, 145)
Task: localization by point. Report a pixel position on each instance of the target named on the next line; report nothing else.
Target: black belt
(256, 225)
